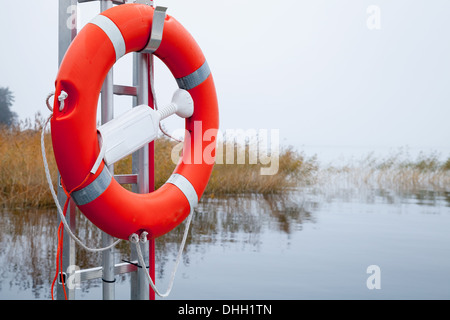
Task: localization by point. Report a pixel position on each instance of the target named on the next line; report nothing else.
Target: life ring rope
(55, 197)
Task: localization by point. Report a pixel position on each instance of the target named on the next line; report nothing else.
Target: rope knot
(63, 96)
(143, 237)
(134, 238)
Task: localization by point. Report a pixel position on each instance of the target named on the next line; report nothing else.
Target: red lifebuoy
(115, 210)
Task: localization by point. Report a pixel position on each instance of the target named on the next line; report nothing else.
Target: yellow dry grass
(22, 175)
(23, 183)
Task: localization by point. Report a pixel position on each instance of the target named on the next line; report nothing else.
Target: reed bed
(23, 183)
(396, 172)
(22, 176)
(294, 168)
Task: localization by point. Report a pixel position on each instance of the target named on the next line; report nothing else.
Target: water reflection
(27, 251)
(365, 194)
(28, 238)
(235, 220)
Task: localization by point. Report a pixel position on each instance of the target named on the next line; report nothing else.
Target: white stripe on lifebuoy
(186, 187)
(113, 33)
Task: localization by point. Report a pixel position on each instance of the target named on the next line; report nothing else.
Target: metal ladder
(141, 179)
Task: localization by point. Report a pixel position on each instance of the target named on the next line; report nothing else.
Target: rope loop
(143, 237)
(134, 238)
(47, 101)
(55, 198)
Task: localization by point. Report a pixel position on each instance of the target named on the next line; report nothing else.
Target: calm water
(308, 245)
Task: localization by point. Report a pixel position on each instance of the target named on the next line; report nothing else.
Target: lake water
(311, 244)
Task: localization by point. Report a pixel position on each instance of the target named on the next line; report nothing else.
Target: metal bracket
(113, 1)
(134, 263)
(62, 276)
(147, 2)
(159, 16)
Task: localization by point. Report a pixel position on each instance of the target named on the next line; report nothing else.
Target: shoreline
(23, 183)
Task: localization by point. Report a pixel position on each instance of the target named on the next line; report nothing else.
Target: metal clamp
(159, 16)
(147, 2)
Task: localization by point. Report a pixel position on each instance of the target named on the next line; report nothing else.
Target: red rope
(59, 250)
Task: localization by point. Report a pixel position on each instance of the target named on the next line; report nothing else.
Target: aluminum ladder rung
(126, 178)
(121, 90)
(113, 1)
(97, 272)
(124, 90)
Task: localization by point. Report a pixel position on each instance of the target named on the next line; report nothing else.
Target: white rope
(63, 96)
(152, 87)
(134, 238)
(55, 198)
(101, 154)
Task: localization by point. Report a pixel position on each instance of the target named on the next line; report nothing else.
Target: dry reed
(293, 169)
(22, 177)
(23, 183)
(395, 172)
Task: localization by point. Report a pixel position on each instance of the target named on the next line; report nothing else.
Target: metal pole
(67, 32)
(107, 114)
(151, 174)
(139, 289)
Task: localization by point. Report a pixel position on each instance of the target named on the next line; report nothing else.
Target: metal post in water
(151, 174)
(107, 114)
(139, 287)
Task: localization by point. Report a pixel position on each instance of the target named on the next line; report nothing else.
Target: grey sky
(312, 69)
